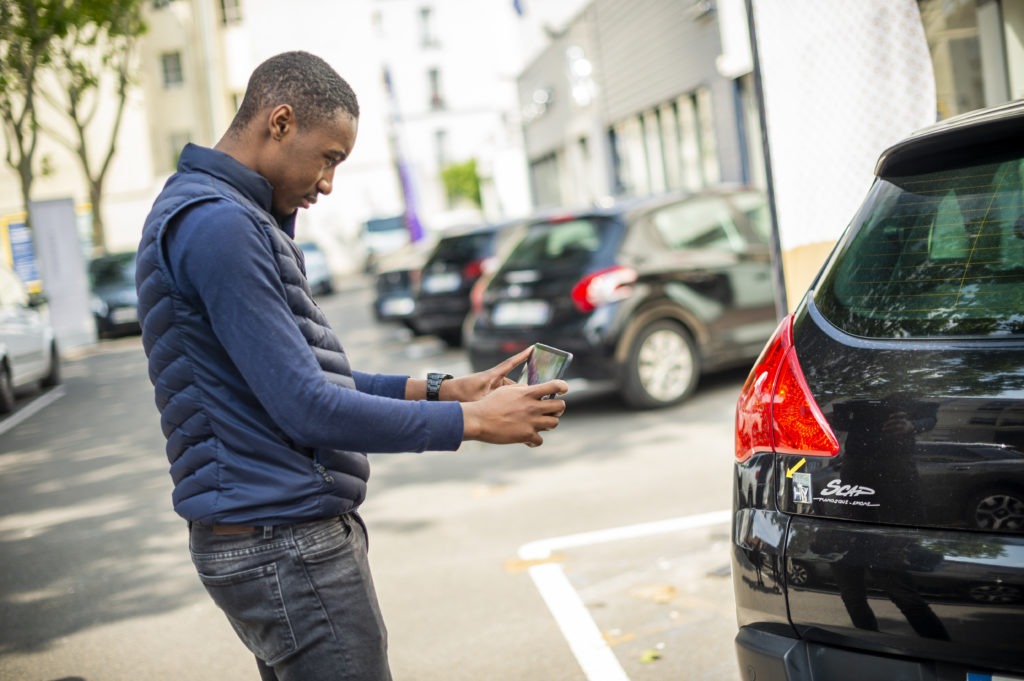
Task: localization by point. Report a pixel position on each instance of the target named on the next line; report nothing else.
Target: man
(267, 425)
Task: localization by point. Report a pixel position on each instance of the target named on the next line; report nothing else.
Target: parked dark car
(395, 282)
(456, 263)
(115, 301)
(647, 294)
(879, 489)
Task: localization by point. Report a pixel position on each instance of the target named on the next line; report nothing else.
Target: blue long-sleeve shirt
(225, 266)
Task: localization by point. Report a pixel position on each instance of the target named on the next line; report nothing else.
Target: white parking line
(32, 408)
(581, 632)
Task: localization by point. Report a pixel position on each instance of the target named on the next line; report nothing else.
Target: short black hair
(309, 84)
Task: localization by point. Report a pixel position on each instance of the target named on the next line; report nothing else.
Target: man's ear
(281, 121)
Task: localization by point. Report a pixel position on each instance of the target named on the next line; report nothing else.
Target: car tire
(451, 337)
(6, 390)
(52, 377)
(662, 367)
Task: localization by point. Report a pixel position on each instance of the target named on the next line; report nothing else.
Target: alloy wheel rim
(1000, 512)
(664, 365)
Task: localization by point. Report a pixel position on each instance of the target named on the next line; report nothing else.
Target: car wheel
(797, 573)
(662, 367)
(998, 510)
(995, 593)
(52, 377)
(6, 390)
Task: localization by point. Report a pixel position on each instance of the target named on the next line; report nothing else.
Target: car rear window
(937, 254)
(563, 243)
(464, 247)
(113, 270)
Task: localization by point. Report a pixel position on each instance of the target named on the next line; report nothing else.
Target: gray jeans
(300, 597)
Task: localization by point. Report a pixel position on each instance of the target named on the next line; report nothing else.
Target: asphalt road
(601, 555)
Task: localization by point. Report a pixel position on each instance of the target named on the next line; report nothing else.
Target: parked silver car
(28, 348)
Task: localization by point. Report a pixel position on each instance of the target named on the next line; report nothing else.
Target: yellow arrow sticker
(794, 469)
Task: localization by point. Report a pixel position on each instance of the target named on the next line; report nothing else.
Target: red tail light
(473, 269)
(602, 287)
(776, 410)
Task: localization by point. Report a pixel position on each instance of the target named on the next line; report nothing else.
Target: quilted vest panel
(211, 482)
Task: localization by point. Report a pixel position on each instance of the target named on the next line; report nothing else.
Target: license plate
(398, 307)
(441, 283)
(124, 315)
(521, 313)
(985, 676)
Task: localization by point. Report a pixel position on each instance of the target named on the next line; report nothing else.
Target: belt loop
(268, 531)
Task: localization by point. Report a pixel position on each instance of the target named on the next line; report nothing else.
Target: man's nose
(326, 183)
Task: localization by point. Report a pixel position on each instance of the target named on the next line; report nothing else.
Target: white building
(452, 63)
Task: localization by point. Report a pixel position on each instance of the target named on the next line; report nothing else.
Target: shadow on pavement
(87, 535)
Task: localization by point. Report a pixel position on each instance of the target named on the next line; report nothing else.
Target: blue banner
(23, 254)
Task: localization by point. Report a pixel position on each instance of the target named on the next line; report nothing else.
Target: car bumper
(593, 359)
(769, 656)
(439, 315)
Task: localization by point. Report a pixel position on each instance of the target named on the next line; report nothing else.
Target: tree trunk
(99, 234)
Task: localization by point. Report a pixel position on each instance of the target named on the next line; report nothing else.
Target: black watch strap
(434, 381)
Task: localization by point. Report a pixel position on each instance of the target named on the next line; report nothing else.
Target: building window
(708, 139)
(651, 127)
(434, 86)
(173, 75)
(428, 35)
(689, 143)
(160, 4)
(952, 30)
(631, 170)
(545, 181)
(441, 148)
(230, 11)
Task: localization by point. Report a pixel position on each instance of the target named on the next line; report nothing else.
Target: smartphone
(545, 364)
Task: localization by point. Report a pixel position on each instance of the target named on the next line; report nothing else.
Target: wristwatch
(434, 380)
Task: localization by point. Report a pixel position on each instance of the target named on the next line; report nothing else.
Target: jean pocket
(253, 603)
(333, 540)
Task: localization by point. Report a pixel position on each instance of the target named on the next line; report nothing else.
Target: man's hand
(481, 384)
(514, 413)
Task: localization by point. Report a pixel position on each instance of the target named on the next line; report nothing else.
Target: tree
(99, 43)
(462, 181)
(27, 28)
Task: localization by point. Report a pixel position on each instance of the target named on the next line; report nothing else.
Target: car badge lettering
(835, 492)
(837, 488)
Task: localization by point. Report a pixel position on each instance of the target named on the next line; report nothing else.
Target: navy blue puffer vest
(212, 482)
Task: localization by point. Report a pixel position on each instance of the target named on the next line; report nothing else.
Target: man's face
(305, 159)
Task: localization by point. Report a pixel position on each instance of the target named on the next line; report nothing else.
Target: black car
(879, 490)
(452, 268)
(395, 281)
(647, 293)
(114, 298)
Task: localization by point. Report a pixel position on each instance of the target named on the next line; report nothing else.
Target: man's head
(296, 123)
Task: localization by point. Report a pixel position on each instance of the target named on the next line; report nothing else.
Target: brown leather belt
(232, 529)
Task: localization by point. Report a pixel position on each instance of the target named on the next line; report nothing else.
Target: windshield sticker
(835, 492)
(802, 488)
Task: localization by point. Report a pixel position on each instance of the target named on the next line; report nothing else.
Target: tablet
(545, 364)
